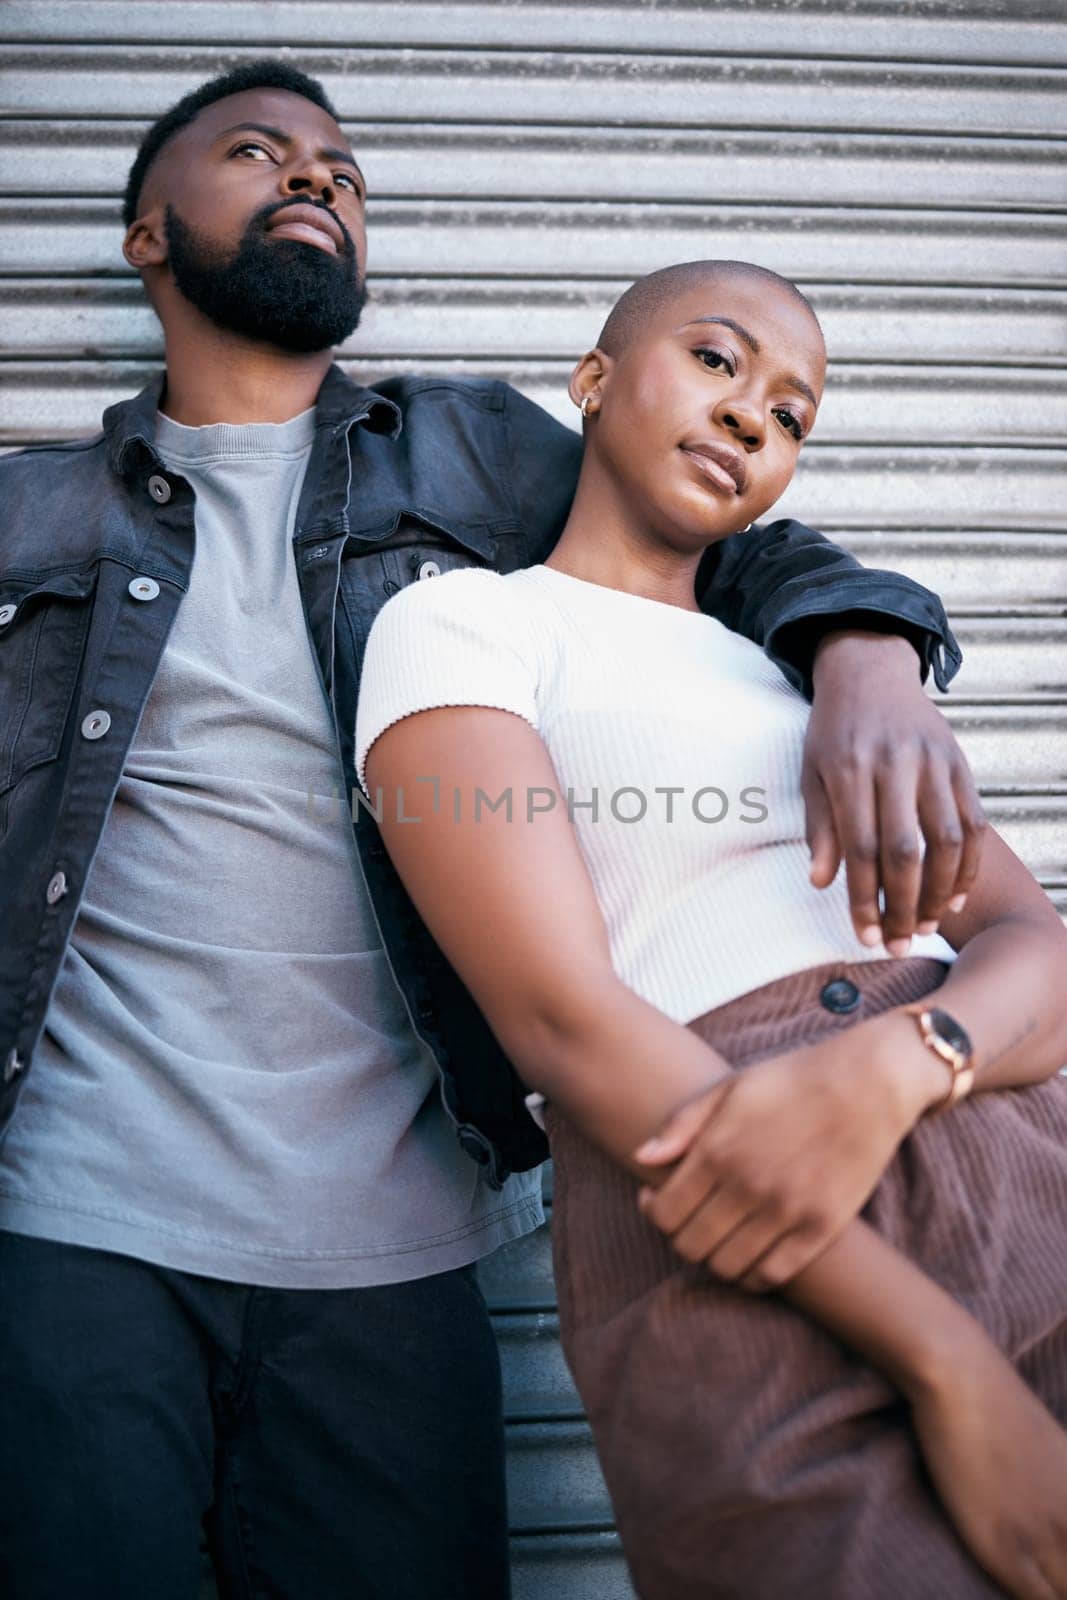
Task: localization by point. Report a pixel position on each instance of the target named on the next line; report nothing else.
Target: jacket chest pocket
(43, 626)
(415, 553)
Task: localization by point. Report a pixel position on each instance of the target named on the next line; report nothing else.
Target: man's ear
(588, 377)
(145, 244)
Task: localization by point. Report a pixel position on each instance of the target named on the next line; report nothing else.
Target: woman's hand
(775, 1161)
(999, 1460)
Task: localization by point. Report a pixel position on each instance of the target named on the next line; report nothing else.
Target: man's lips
(723, 465)
(309, 223)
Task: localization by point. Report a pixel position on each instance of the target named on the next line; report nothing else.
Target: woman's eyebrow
(802, 388)
(728, 322)
(753, 343)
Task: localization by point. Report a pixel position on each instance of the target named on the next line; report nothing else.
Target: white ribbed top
(705, 892)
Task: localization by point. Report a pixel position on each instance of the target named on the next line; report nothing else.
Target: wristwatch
(952, 1044)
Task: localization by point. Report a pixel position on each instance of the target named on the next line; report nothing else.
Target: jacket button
(159, 489)
(6, 615)
(143, 588)
(13, 1065)
(841, 996)
(429, 569)
(96, 725)
(57, 888)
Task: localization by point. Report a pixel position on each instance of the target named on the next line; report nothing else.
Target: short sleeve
(463, 638)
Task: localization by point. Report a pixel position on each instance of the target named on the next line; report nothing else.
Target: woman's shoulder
(458, 638)
(460, 590)
(471, 600)
(470, 610)
(456, 583)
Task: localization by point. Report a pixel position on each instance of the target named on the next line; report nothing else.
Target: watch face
(948, 1029)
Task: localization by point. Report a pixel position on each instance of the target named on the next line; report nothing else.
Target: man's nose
(312, 178)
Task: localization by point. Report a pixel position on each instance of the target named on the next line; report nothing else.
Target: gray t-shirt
(228, 1082)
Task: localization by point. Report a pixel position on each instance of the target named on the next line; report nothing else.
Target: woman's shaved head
(645, 299)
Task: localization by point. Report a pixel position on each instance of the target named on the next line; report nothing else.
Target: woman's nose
(742, 418)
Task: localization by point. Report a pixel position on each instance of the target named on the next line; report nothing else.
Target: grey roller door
(905, 162)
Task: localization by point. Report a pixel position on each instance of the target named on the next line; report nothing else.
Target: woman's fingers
(742, 1243)
(788, 1255)
(672, 1141)
(695, 1181)
(713, 1225)
(739, 1254)
(699, 1171)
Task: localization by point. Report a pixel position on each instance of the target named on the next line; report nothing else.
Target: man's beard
(281, 292)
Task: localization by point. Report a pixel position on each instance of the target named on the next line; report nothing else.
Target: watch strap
(951, 1043)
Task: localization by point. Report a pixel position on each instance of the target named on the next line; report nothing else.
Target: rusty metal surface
(496, 159)
(552, 87)
(865, 403)
(1029, 32)
(466, 319)
(526, 239)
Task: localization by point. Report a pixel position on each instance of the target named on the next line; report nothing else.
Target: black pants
(332, 1443)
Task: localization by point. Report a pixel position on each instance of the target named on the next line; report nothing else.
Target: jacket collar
(129, 427)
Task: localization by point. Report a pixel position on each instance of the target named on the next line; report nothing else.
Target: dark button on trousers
(841, 996)
(340, 1444)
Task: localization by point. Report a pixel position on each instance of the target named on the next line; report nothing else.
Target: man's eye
(347, 181)
(250, 144)
(715, 360)
(790, 421)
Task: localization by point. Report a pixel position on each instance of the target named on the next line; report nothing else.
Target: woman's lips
(723, 467)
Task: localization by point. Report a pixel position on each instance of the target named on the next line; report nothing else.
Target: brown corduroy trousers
(750, 1456)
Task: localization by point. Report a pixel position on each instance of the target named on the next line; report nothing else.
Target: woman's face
(702, 416)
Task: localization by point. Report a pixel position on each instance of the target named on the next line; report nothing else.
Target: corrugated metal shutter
(903, 161)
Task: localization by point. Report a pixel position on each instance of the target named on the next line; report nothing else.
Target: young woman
(608, 844)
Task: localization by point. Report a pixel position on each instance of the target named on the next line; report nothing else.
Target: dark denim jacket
(96, 548)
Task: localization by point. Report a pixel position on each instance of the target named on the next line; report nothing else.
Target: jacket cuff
(875, 601)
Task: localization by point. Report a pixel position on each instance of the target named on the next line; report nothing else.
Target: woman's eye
(790, 421)
(716, 360)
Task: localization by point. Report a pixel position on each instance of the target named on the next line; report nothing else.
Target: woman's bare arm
(509, 899)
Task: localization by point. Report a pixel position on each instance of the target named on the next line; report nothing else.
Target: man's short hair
(269, 74)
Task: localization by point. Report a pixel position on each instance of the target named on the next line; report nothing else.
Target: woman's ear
(587, 381)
